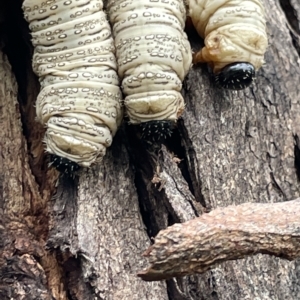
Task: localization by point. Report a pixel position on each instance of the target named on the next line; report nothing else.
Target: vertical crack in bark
(77, 286)
(293, 21)
(24, 215)
(156, 165)
(194, 180)
(175, 290)
(63, 240)
(297, 155)
(16, 40)
(291, 14)
(16, 44)
(145, 161)
(174, 144)
(63, 233)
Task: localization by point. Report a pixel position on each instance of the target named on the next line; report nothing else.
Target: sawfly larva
(235, 38)
(154, 56)
(80, 98)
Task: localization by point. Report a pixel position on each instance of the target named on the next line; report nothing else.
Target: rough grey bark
(87, 241)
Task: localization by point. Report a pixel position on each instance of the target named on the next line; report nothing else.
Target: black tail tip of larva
(157, 131)
(63, 165)
(236, 76)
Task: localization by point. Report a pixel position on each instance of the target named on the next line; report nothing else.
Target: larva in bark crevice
(235, 38)
(153, 56)
(80, 98)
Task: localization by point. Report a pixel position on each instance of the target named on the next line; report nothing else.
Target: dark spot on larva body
(157, 130)
(236, 76)
(64, 165)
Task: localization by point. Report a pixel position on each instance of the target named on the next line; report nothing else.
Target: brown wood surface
(83, 238)
(224, 234)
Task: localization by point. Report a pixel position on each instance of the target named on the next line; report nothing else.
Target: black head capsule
(236, 76)
(157, 131)
(63, 165)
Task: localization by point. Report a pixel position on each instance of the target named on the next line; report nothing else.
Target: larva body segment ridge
(80, 98)
(153, 56)
(235, 38)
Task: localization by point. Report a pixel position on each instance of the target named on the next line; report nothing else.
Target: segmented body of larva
(80, 98)
(153, 56)
(235, 38)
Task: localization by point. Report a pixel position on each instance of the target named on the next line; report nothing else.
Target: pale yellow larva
(80, 98)
(154, 56)
(235, 37)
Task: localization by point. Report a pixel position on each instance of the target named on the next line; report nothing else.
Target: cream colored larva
(154, 56)
(80, 98)
(235, 38)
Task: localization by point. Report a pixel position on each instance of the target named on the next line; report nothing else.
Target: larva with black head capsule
(154, 56)
(235, 38)
(80, 98)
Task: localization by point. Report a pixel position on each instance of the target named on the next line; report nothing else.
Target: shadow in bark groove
(293, 21)
(297, 155)
(175, 146)
(64, 213)
(149, 161)
(291, 15)
(145, 160)
(78, 288)
(18, 48)
(190, 164)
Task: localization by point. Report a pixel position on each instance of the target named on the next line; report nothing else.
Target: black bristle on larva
(236, 76)
(157, 131)
(63, 165)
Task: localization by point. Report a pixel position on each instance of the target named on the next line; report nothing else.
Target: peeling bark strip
(225, 234)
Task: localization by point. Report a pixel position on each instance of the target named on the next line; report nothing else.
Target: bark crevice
(292, 11)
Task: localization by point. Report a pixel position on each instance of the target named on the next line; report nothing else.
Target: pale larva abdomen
(153, 56)
(80, 98)
(235, 38)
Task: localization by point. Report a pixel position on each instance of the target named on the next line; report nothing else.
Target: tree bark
(83, 237)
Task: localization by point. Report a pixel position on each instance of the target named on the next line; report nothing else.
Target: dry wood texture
(87, 241)
(225, 234)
